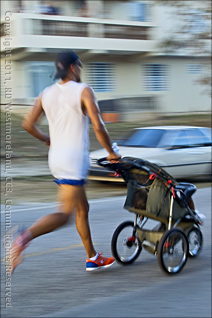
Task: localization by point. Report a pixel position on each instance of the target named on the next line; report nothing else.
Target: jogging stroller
(153, 194)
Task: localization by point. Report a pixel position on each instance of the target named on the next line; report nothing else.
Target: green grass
(26, 146)
(41, 189)
(22, 144)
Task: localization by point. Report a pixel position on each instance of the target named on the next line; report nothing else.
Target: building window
(100, 76)
(42, 74)
(138, 11)
(156, 77)
(194, 68)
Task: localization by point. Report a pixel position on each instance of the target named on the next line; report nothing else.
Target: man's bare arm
(89, 104)
(30, 120)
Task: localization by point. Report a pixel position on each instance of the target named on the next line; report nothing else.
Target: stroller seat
(187, 189)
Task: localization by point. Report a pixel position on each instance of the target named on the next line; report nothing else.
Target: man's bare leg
(53, 221)
(48, 223)
(72, 198)
(69, 194)
(82, 223)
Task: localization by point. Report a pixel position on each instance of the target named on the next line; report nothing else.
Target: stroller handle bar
(103, 162)
(120, 164)
(125, 164)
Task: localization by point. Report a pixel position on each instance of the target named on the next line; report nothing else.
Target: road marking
(52, 250)
(32, 209)
(93, 201)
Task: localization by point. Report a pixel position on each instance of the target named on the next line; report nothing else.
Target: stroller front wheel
(173, 251)
(125, 244)
(195, 241)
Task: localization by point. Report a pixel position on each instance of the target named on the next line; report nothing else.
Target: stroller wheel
(195, 241)
(125, 244)
(173, 251)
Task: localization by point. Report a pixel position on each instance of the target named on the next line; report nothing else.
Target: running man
(67, 105)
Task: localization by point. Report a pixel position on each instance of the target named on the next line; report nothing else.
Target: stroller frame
(176, 237)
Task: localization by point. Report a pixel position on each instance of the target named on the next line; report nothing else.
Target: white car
(183, 151)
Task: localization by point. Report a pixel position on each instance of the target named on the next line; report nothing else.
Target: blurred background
(139, 56)
(149, 62)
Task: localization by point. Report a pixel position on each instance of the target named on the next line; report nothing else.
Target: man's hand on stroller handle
(109, 162)
(113, 157)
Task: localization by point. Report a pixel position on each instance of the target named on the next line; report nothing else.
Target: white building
(118, 43)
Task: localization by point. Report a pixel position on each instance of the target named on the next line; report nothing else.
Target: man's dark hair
(62, 63)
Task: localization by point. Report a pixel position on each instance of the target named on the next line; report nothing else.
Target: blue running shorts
(70, 182)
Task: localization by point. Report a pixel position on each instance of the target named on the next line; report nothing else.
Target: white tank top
(68, 129)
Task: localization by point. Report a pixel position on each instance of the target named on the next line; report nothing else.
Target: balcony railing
(60, 28)
(126, 32)
(43, 31)
(82, 29)
(31, 24)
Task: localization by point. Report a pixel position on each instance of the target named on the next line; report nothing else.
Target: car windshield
(149, 138)
(162, 138)
(193, 137)
(207, 133)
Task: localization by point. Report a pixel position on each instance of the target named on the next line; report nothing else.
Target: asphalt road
(52, 281)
